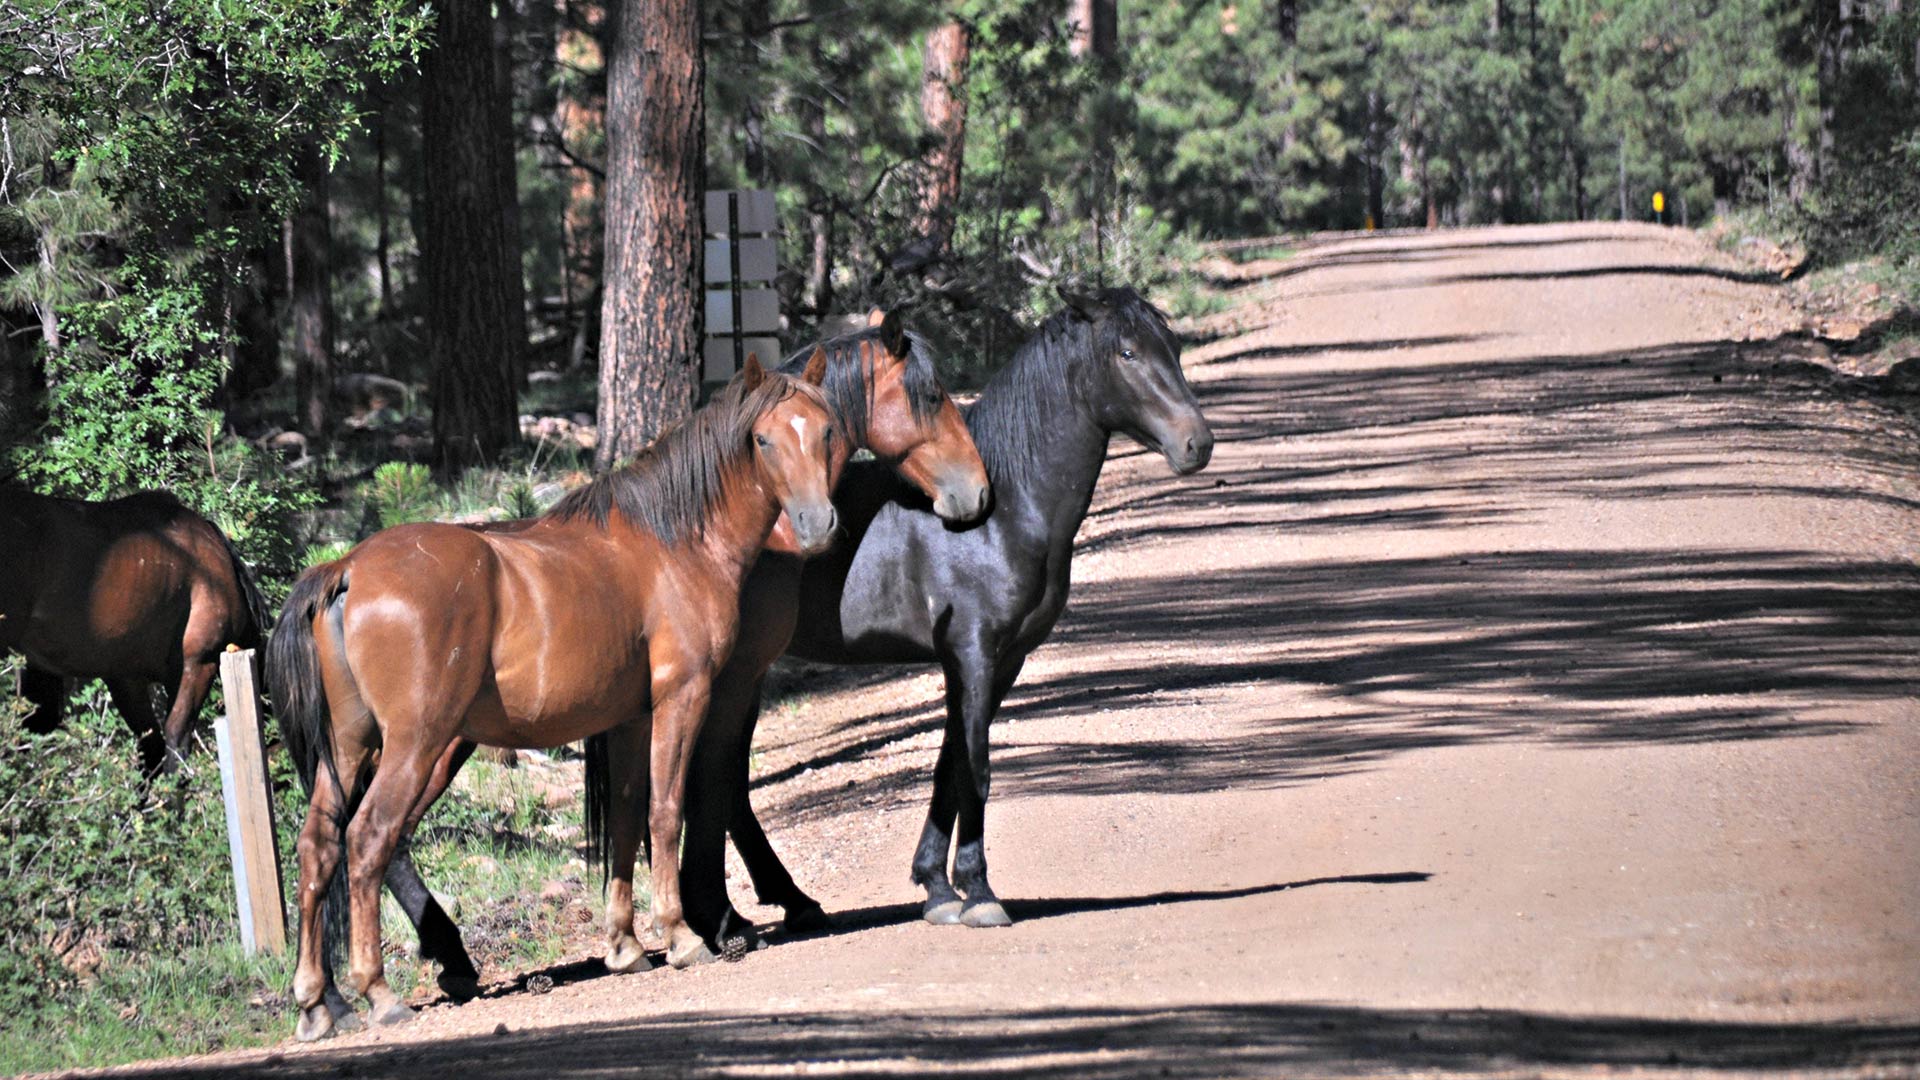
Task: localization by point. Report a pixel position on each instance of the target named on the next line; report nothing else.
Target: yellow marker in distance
(1659, 202)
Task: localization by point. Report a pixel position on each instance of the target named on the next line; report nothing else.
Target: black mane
(1012, 413)
(670, 489)
(848, 394)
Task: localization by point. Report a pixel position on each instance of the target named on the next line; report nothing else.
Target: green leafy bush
(97, 865)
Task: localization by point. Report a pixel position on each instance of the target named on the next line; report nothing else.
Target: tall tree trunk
(812, 106)
(1376, 209)
(383, 233)
(506, 161)
(1095, 27)
(310, 298)
(755, 16)
(943, 105)
(656, 140)
(1623, 176)
(468, 266)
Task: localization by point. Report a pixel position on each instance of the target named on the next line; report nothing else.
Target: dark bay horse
(906, 587)
(612, 612)
(134, 591)
(888, 399)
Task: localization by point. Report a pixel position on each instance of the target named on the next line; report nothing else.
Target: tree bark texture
(943, 105)
(1095, 27)
(650, 316)
(469, 269)
(310, 298)
(507, 162)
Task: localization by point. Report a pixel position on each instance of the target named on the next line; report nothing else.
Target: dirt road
(1528, 686)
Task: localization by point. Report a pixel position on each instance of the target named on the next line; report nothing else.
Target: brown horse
(887, 397)
(613, 612)
(135, 591)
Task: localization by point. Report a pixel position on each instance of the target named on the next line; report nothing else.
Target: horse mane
(671, 487)
(1018, 407)
(848, 394)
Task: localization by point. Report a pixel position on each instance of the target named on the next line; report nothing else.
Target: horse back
(122, 588)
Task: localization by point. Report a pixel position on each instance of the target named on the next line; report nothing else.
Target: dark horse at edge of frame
(886, 395)
(611, 612)
(906, 587)
(135, 591)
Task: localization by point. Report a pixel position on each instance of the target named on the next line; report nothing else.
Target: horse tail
(300, 707)
(599, 796)
(598, 779)
(293, 673)
(250, 636)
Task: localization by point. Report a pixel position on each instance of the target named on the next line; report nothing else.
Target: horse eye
(765, 443)
(1126, 354)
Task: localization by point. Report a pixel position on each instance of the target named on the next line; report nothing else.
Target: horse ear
(876, 317)
(1090, 307)
(893, 333)
(816, 372)
(751, 375)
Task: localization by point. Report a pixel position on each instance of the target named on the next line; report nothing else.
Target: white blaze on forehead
(800, 426)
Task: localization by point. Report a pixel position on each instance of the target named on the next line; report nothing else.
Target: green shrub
(402, 492)
(97, 864)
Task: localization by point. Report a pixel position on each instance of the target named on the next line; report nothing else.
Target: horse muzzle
(1188, 453)
(963, 499)
(814, 527)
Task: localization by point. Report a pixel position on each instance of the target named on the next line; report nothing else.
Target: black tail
(251, 636)
(300, 706)
(293, 673)
(599, 784)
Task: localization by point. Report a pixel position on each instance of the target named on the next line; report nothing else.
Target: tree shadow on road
(1678, 644)
(1108, 1043)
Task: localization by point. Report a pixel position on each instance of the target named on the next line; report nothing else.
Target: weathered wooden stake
(243, 780)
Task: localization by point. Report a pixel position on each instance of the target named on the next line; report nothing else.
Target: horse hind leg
(196, 679)
(373, 836)
(319, 851)
(134, 700)
(439, 936)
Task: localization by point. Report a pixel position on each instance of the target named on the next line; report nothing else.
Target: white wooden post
(249, 799)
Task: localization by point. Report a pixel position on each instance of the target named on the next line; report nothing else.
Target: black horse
(907, 587)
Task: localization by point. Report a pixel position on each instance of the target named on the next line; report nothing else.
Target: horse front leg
(981, 688)
(771, 881)
(46, 691)
(679, 709)
(133, 698)
(626, 747)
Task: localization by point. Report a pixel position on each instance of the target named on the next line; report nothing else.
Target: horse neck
(741, 519)
(1050, 464)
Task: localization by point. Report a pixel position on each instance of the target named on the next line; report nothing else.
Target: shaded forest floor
(1528, 687)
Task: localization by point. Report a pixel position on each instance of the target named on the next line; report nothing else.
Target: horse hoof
(628, 957)
(691, 955)
(985, 913)
(807, 919)
(461, 988)
(393, 1012)
(315, 1023)
(945, 913)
